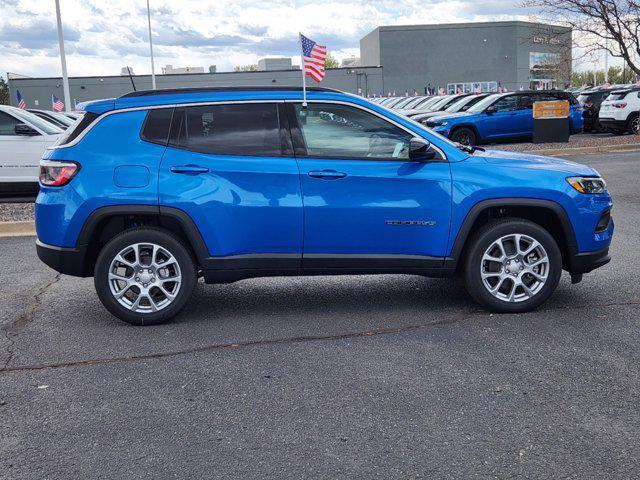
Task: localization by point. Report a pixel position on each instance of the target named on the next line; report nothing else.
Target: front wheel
(465, 136)
(144, 276)
(512, 266)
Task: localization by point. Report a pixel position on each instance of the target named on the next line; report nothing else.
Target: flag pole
(304, 79)
(63, 60)
(153, 70)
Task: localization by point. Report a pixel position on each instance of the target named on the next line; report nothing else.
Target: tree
(246, 68)
(331, 62)
(588, 77)
(4, 92)
(611, 25)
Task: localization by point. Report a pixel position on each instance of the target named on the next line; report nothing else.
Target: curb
(623, 147)
(17, 229)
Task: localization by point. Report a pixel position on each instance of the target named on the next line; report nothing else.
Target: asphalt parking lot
(349, 377)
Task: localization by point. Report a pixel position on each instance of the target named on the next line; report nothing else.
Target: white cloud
(101, 37)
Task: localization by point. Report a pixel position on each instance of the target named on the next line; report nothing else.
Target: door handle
(326, 174)
(189, 169)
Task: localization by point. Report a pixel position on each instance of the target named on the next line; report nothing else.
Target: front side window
(7, 124)
(333, 130)
(250, 129)
(37, 122)
(506, 104)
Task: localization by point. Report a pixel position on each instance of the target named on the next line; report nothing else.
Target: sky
(103, 36)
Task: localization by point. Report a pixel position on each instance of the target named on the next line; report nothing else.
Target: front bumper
(69, 261)
(585, 262)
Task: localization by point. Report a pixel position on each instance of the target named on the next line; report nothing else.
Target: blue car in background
(502, 116)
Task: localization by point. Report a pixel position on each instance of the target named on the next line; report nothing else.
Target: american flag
(21, 102)
(314, 57)
(57, 104)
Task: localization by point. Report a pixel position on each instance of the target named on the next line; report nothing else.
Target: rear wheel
(633, 125)
(144, 276)
(512, 266)
(465, 136)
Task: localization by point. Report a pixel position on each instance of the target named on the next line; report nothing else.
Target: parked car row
(472, 119)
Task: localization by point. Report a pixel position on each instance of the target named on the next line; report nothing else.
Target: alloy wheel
(514, 268)
(144, 277)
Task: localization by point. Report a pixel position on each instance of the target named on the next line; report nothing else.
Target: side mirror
(420, 150)
(24, 129)
(491, 110)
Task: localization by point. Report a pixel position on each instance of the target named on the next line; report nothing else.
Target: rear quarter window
(156, 126)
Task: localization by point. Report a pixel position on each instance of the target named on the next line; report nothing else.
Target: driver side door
(365, 204)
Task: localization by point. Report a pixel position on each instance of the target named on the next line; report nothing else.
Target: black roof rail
(166, 91)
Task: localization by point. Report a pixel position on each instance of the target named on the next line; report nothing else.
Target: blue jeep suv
(152, 190)
(502, 116)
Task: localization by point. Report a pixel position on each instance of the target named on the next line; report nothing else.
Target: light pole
(63, 60)
(606, 60)
(153, 71)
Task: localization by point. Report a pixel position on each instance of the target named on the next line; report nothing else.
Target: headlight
(434, 124)
(587, 184)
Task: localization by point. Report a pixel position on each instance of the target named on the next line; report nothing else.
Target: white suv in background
(619, 111)
(23, 139)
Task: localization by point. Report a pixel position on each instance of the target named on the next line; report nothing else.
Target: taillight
(57, 174)
(619, 105)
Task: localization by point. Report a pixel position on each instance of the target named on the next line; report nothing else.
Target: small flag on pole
(21, 102)
(57, 104)
(314, 58)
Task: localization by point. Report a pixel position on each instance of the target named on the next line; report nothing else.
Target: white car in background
(620, 111)
(23, 139)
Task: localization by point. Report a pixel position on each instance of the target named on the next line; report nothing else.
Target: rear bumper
(585, 262)
(69, 261)
(613, 124)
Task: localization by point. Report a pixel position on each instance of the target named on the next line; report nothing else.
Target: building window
(472, 87)
(543, 65)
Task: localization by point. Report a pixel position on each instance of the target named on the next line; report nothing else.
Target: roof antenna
(131, 78)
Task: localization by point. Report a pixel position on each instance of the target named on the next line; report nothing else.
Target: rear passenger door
(231, 168)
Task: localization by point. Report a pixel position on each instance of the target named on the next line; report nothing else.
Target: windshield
(582, 99)
(413, 103)
(34, 120)
(456, 106)
(403, 102)
(63, 118)
(484, 103)
(425, 103)
(439, 102)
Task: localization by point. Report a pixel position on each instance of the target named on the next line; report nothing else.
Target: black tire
(633, 124)
(482, 240)
(464, 135)
(163, 239)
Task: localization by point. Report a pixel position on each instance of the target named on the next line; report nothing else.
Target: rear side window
(251, 129)
(156, 125)
(76, 129)
(617, 96)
